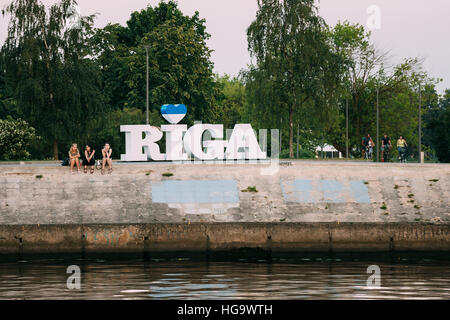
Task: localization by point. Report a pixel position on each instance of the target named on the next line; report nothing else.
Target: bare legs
(107, 161)
(73, 162)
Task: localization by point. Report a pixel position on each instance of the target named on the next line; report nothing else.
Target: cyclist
(365, 143)
(386, 146)
(369, 144)
(401, 147)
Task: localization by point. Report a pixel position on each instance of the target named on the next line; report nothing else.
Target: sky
(405, 28)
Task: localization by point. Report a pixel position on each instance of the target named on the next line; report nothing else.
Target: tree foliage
(437, 124)
(296, 71)
(367, 71)
(15, 138)
(56, 84)
(179, 61)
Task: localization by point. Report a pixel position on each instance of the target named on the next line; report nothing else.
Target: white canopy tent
(328, 152)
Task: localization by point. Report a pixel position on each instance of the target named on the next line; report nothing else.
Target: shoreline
(211, 238)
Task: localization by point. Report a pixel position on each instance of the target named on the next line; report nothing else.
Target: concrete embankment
(220, 237)
(303, 207)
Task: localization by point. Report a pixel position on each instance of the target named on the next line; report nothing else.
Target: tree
(368, 70)
(296, 71)
(179, 61)
(437, 124)
(56, 84)
(231, 101)
(7, 103)
(15, 137)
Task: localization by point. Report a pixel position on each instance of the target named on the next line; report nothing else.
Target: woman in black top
(89, 159)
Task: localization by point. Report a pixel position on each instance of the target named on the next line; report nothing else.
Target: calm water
(184, 279)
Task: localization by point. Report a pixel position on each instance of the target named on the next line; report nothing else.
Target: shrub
(15, 137)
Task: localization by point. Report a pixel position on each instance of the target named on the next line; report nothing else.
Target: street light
(420, 123)
(147, 100)
(346, 125)
(378, 125)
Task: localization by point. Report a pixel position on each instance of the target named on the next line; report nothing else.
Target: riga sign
(183, 143)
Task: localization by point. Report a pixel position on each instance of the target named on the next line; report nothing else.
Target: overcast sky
(409, 28)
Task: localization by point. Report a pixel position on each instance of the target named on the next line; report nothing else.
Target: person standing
(107, 158)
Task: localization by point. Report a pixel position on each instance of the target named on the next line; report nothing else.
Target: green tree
(179, 61)
(231, 101)
(369, 70)
(7, 103)
(296, 71)
(56, 84)
(15, 137)
(437, 124)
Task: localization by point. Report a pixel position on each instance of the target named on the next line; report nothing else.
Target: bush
(302, 154)
(15, 138)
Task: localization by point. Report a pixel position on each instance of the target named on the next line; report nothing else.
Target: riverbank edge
(209, 238)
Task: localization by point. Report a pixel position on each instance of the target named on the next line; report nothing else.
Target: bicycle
(402, 154)
(369, 152)
(386, 151)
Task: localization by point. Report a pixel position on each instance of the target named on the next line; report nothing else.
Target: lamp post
(147, 100)
(378, 125)
(346, 129)
(420, 123)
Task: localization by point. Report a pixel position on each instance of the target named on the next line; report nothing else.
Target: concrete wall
(207, 237)
(304, 206)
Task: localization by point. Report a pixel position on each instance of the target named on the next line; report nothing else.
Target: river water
(184, 279)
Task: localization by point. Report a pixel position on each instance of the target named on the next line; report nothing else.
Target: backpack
(65, 162)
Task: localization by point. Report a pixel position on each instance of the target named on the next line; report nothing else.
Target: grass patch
(39, 176)
(418, 219)
(383, 207)
(411, 201)
(167, 174)
(410, 195)
(396, 186)
(250, 189)
(366, 182)
(386, 213)
(282, 220)
(434, 180)
(417, 206)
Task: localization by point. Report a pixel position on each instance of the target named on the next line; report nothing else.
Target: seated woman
(74, 157)
(107, 158)
(89, 159)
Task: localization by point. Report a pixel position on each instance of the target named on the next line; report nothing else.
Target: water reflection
(46, 279)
